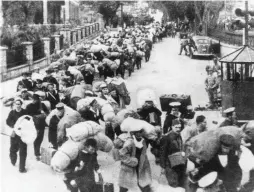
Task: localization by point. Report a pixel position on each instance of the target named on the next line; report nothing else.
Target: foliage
(11, 38)
(107, 8)
(20, 12)
(144, 19)
(128, 19)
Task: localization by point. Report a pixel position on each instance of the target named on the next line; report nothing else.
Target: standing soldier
(231, 119)
(211, 87)
(184, 42)
(16, 143)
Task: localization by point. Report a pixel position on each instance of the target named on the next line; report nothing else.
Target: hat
(208, 179)
(175, 104)
(103, 85)
(176, 122)
(23, 90)
(229, 110)
(39, 81)
(36, 97)
(227, 140)
(60, 106)
(89, 93)
(149, 98)
(25, 74)
(49, 71)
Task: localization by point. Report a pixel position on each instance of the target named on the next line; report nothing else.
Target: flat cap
(227, 140)
(175, 104)
(176, 122)
(103, 85)
(208, 179)
(229, 110)
(60, 106)
(23, 90)
(39, 81)
(36, 96)
(25, 74)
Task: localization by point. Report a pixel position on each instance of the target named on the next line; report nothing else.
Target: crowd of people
(70, 82)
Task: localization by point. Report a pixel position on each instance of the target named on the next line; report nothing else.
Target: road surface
(166, 73)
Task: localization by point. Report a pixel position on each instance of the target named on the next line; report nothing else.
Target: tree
(107, 8)
(20, 12)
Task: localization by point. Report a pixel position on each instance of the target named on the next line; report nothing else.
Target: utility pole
(246, 22)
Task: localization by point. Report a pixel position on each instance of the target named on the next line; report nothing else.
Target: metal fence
(229, 37)
(16, 56)
(52, 45)
(38, 50)
(61, 39)
(71, 37)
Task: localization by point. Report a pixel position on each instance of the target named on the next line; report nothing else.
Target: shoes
(38, 158)
(13, 163)
(23, 170)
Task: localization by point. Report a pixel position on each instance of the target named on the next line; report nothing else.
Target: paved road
(167, 72)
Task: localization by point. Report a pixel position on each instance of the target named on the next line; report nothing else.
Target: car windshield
(202, 41)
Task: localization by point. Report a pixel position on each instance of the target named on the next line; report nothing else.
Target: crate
(47, 154)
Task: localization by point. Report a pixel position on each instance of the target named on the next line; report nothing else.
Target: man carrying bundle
(172, 159)
(82, 178)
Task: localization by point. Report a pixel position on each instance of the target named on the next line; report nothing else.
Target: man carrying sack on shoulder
(172, 157)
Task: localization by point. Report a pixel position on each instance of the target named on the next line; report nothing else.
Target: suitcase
(47, 154)
(185, 100)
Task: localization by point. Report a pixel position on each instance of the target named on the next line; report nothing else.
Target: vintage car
(204, 46)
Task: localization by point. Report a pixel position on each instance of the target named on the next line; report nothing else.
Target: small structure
(237, 82)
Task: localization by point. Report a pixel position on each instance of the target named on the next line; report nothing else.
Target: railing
(71, 37)
(16, 56)
(52, 45)
(61, 42)
(229, 37)
(38, 50)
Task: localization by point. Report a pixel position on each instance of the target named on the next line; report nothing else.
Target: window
(202, 41)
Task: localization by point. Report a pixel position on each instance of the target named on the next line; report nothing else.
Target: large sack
(114, 66)
(83, 104)
(123, 114)
(96, 85)
(130, 124)
(36, 76)
(66, 122)
(119, 84)
(25, 128)
(233, 131)
(109, 117)
(95, 48)
(203, 146)
(246, 160)
(70, 148)
(104, 143)
(60, 161)
(80, 131)
(78, 91)
(106, 108)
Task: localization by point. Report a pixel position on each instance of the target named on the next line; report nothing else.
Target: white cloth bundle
(25, 128)
(130, 124)
(246, 160)
(83, 130)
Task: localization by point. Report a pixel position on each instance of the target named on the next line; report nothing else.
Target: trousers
(18, 145)
(38, 141)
